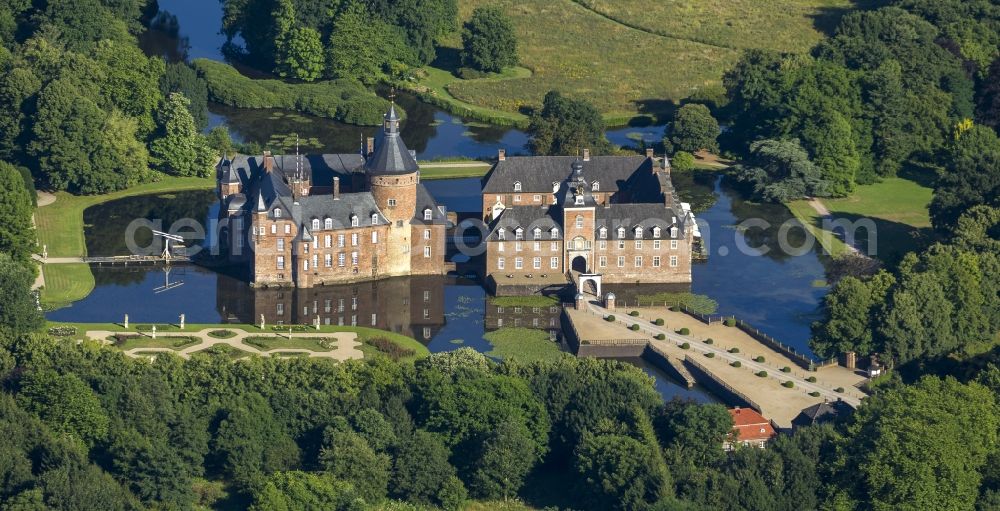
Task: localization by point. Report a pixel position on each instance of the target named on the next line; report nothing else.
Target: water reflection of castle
(412, 306)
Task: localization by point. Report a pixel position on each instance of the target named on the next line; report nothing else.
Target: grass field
(268, 343)
(628, 57)
(453, 170)
(525, 344)
(897, 206)
(65, 284)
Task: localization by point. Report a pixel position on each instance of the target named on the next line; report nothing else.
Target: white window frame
(638, 261)
(427, 252)
(327, 241)
(354, 258)
(536, 263)
(656, 244)
(674, 261)
(354, 239)
(281, 244)
(427, 234)
(602, 261)
(328, 262)
(621, 261)
(374, 237)
(518, 263)
(277, 212)
(354, 221)
(375, 219)
(428, 214)
(579, 221)
(315, 224)
(673, 244)
(340, 241)
(500, 263)
(281, 262)
(517, 186)
(341, 260)
(554, 263)
(391, 203)
(656, 261)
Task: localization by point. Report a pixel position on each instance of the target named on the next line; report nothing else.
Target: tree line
(85, 110)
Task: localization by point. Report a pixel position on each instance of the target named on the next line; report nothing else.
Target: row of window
(280, 311)
(602, 233)
(595, 186)
(582, 244)
(602, 262)
(519, 233)
(328, 260)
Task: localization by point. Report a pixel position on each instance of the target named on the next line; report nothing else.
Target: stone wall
(423, 236)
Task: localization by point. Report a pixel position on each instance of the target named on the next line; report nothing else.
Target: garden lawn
(175, 343)
(60, 224)
(65, 284)
(283, 343)
(524, 301)
(524, 344)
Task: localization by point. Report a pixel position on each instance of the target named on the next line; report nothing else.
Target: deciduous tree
(489, 42)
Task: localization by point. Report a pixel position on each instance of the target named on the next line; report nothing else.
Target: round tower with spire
(393, 173)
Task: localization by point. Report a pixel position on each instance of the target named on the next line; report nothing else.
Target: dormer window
(656, 232)
(277, 212)
(502, 234)
(673, 232)
(374, 219)
(579, 200)
(621, 232)
(517, 186)
(555, 232)
(596, 187)
(519, 234)
(604, 233)
(638, 232)
(315, 224)
(328, 223)
(354, 220)
(538, 233)
(427, 214)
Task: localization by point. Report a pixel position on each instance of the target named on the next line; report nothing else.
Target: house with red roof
(750, 428)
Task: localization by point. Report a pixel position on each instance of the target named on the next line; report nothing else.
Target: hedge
(342, 100)
(729, 322)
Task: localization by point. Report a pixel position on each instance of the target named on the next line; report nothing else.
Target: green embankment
(343, 100)
(524, 344)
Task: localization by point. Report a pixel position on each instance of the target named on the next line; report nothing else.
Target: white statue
(154, 331)
(126, 322)
(261, 321)
(182, 322)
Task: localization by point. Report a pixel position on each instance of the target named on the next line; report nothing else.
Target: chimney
(336, 188)
(268, 162)
(502, 155)
(649, 152)
(586, 155)
(371, 145)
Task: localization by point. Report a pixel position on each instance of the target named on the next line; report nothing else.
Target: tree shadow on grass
(659, 110)
(827, 19)
(449, 59)
(923, 175)
(892, 240)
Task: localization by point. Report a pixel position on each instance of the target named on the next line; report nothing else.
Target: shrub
(811, 379)
(734, 350)
(788, 384)
(709, 341)
(786, 369)
(658, 322)
(391, 349)
(660, 337)
(222, 334)
(634, 314)
(729, 322)
(736, 364)
(814, 394)
(635, 327)
(762, 374)
(62, 331)
(839, 390)
(759, 359)
(684, 331)
(609, 318)
(685, 346)
(710, 354)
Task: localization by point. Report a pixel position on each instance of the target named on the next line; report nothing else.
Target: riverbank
(60, 234)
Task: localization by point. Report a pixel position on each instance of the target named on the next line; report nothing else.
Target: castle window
(427, 251)
(656, 261)
(536, 263)
(281, 262)
(427, 214)
(656, 244)
(340, 259)
(340, 240)
(328, 223)
(502, 234)
(519, 234)
(277, 213)
(595, 187)
(673, 244)
(517, 198)
(656, 232)
(375, 219)
(274, 228)
(638, 232)
(354, 220)
(500, 263)
(518, 263)
(536, 198)
(315, 224)
(621, 232)
(579, 221)
(327, 241)
(638, 261)
(288, 229)
(554, 263)
(673, 232)
(281, 244)
(638, 244)
(392, 203)
(354, 239)
(604, 232)
(555, 232)
(602, 262)
(517, 186)
(374, 237)
(328, 261)
(427, 234)
(354, 258)
(537, 233)
(673, 261)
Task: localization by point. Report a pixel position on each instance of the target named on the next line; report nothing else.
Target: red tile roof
(751, 425)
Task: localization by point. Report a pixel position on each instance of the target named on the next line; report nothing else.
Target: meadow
(631, 57)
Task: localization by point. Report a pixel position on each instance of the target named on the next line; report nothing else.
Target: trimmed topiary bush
(729, 322)
(839, 390)
(710, 354)
(736, 364)
(660, 337)
(814, 394)
(788, 384)
(759, 359)
(762, 374)
(734, 350)
(709, 341)
(685, 346)
(609, 318)
(786, 369)
(659, 322)
(635, 327)
(811, 379)
(634, 314)
(684, 331)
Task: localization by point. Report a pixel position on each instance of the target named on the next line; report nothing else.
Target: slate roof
(321, 167)
(630, 216)
(537, 173)
(527, 217)
(391, 155)
(439, 214)
(821, 412)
